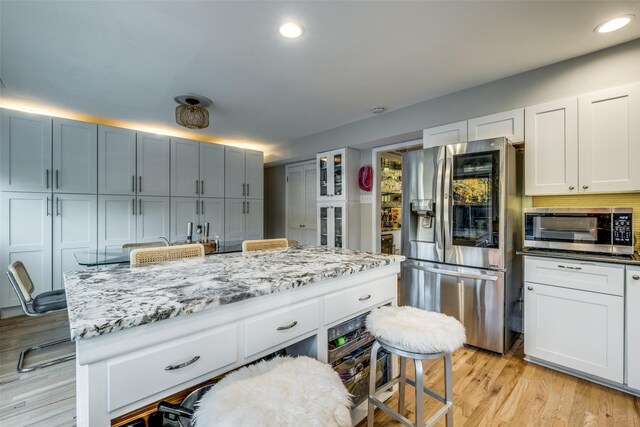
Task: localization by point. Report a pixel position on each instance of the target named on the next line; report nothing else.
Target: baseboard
(10, 312)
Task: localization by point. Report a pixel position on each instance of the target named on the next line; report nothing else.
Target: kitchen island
(143, 333)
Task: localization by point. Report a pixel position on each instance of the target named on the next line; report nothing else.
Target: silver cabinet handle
(635, 277)
(530, 288)
(244, 189)
(289, 326)
(247, 206)
(139, 206)
(140, 184)
(247, 190)
(364, 298)
(571, 187)
(48, 207)
(133, 206)
(133, 183)
(243, 208)
(585, 187)
(47, 175)
(569, 267)
(57, 206)
(182, 365)
(57, 178)
(202, 187)
(197, 208)
(202, 206)
(197, 186)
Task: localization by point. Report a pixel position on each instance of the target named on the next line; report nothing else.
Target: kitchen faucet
(165, 240)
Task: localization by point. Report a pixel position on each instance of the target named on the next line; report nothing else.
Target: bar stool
(420, 335)
(281, 392)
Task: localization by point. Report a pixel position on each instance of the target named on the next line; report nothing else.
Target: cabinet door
(116, 221)
(633, 327)
(310, 219)
(325, 176)
(296, 202)
(25, 235)
(609, 135)
(152, 219)
(234, 224)
(25, 152)
(339, 225)
(234, 173)
(255, 174)
(254, 217)
(116, 161)
(75, 228)
(153, 164)
(576, 329)
(183, 211)
(451, 133)
(212, 211)
(551, 148)
(75, 157)
(211, 170)
(185, 167)
(509, 124)
(325, 226)
(338, 175)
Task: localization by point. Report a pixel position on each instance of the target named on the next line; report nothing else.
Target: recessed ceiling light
(291, 30)
(378, 110)
(614, 24)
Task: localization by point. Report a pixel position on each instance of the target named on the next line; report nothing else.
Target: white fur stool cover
(416, 330)
(283, 391)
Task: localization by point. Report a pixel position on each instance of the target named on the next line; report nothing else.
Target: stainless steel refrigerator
(461, 220)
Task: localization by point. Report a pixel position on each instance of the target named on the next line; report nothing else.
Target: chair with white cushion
(420, 335)
(281, 392)
(43, 303)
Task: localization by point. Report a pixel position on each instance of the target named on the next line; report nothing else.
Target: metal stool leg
(419, 393)
(448, 386)
(373, 361)
(31, 368)
(403, 382)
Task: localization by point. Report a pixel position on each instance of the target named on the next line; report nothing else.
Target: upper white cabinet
(243, 219)
(633, 327)
(338, 175)
(244, 173)
(451, 133)
(75, 157)
(116, 160)
(212, 170)
(509, 124)
(25, 152)
(551, 148)
(609, 135)
(152, 164)
(197, 168)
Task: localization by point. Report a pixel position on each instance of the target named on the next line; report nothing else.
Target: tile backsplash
(631, 200)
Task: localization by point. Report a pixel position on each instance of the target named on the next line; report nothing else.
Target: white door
(116, 160)
(183, 211)
(234, 170)
(551, 148)
(451, 133)
(212, 211)
(296, 202)
(508, 123)
(325, 225)
(25, 152)
(75, 157)
(75, 228)
(310, 220)
(234, 224)
(609, 135)
(153, 164)
(185, 164)
(116, 221)
(633, 327)
(25, 235)
(211, 170)
(152, 220)
(254, 219)
(254, 174)
(576, 329)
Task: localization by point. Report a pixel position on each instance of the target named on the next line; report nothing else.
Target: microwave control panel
(622, 232)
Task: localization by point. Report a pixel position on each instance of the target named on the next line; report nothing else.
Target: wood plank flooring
(488, 390)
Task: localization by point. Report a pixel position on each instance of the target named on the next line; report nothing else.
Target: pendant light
(191, 111)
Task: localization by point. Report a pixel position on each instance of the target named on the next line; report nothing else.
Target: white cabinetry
(75, 157)
(197, 211)
(338, 175)
(509, 124)
(25, 235)
(152, 161)
(197, 169)
(633, 327)
(609, 135)
(25, 152)
(334, 224)
(243, 220)
(302, 223)
(152, 218)
(116, 221)
(451, 133)
(244, 174)
(569, 326)
(212, 170)
(116, 160)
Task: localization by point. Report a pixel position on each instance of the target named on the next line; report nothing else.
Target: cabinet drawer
(342, 304)
(215, 349)
(280, 326)
(606, 279)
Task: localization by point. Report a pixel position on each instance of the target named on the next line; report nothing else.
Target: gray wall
(607, 68)
(274, 202)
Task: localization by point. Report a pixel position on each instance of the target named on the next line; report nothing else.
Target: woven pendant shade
(192, 116)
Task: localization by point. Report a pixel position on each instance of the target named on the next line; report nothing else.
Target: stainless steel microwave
(606, 230)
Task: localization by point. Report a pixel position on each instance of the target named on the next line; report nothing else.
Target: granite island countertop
(104, 301)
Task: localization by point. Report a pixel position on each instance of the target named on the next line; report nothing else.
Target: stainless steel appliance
(386, 243)
(606, 230)
(462, 212)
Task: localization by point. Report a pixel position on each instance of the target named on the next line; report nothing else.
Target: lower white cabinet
(152, 219)
(338, 225)
(243, 219)
(197, 211)
(25, 235)
(75, 228)
(633, 327)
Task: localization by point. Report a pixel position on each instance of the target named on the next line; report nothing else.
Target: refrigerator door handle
(439, 231)
(456, 273)
(446, 208)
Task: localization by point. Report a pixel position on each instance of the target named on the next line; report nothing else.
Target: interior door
(153, 164)
(296, 203)
(310, 220)
(75, 157)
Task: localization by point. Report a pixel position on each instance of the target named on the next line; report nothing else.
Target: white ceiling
(127, 60)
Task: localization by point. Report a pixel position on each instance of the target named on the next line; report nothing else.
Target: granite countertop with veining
(107, 300)
(633, 259)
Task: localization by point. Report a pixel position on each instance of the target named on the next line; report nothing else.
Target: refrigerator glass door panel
(475, 297)
(422, 175)
(474, 194)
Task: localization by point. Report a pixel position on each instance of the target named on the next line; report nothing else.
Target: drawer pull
(364, 298)
(182, 365)
(635, 277)
(569, 268)
(289, 326)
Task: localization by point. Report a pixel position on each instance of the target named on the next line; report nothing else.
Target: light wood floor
(488, 390)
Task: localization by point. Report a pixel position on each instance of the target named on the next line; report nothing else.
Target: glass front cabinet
(337, 171)
(332, 230)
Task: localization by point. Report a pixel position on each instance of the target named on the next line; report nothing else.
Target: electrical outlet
(366, 198)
